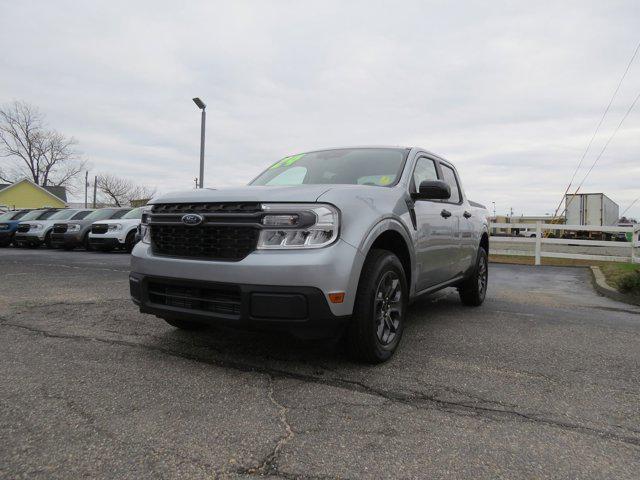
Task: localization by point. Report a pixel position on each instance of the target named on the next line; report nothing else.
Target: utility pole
(86, 187)
(494, 209)
(202, 106)
(95, 189)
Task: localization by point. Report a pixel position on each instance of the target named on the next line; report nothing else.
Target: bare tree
(121, 191)
(45, 156)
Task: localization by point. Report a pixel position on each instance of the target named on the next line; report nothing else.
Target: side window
(450, 178)
(425, 170)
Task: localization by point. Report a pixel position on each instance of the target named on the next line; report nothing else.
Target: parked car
(106, 235)
(318, 244)
(9, 224)
(34, 233)
(72, 234)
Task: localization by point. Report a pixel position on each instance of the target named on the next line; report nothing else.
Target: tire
(184, 324)
(85, 243)
(47, 239)
(474, 289)
(130, 241)
(375, 331)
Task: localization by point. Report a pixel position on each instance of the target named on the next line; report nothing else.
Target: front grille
(214, 242)
(229, 231)
(24, 228)
(99, 228)
(220, 299)
(183, 208)
(60, 228)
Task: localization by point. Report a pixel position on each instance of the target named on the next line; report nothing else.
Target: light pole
(202, 106)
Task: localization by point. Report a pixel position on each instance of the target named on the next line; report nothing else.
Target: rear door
(434, 231)
(454, 211)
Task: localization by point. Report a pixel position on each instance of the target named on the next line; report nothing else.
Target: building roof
(57, 191)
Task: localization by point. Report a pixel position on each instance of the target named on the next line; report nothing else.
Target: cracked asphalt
(540, 382)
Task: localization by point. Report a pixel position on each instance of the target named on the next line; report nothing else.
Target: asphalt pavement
(540, 382)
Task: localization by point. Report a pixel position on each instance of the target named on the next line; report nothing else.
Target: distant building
(515, 230)
(26, 194)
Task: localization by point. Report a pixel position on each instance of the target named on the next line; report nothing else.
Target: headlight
(4, 226)
(317, 226)
(73, 227)
(115, 227)
(36, 226)
(145, 233)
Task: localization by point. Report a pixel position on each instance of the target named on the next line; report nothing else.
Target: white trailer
(592, 209)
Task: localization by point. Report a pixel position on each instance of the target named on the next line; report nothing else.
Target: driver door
(435, 241)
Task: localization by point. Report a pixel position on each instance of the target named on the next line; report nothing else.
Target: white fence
(625, 251)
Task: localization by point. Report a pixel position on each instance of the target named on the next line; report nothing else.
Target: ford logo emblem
(192, 219)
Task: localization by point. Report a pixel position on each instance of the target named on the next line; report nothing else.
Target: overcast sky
(509, 91)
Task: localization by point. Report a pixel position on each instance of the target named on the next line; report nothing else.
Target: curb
(603, 288)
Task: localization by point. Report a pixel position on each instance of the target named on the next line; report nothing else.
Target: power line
(606, 110)
(627, 209)
(633, 104)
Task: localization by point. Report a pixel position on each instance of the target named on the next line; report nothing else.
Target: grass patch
(624, 277)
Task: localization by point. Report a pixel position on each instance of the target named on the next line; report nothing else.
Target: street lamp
(202, 106)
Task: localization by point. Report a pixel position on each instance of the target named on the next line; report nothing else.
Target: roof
(57, 191)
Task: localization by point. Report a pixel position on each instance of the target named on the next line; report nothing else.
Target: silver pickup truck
(329, 242)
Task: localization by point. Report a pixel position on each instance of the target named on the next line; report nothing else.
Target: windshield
(135, 213)
(33, 214)
(356, 166)
(13, 215)
(119, 214)
(81, 214)
(38, 215)
(62, 215)
(100, 214)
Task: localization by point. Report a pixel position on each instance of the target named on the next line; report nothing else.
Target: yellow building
(26, 194)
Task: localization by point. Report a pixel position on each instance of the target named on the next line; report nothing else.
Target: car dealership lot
(542, 381)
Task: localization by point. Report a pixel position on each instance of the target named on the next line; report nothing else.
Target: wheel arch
(484, 242)
(391, 235)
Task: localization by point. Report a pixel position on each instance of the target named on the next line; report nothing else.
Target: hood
(122, 221)
(249, 193)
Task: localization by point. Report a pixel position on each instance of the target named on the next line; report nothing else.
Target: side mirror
(433, 190)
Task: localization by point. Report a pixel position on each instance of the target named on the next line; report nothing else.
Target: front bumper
(28, 239)
(331, 269)
(102, 242)
(66, 240)
(303, 311)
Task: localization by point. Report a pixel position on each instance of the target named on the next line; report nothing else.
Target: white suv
(106, 235)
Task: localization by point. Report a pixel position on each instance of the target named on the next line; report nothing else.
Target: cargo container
(592, 209)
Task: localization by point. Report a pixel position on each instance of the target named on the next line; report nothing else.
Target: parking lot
(542, 381)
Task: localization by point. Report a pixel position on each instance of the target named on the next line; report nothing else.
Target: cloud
(509, 91)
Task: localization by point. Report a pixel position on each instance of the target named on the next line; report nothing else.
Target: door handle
(466, 215)
(445, 213)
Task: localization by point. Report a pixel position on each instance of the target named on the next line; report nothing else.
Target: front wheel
(130, 241)
(474, 289)
(380, 309)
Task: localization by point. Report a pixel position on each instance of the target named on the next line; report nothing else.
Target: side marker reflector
(336, 297)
